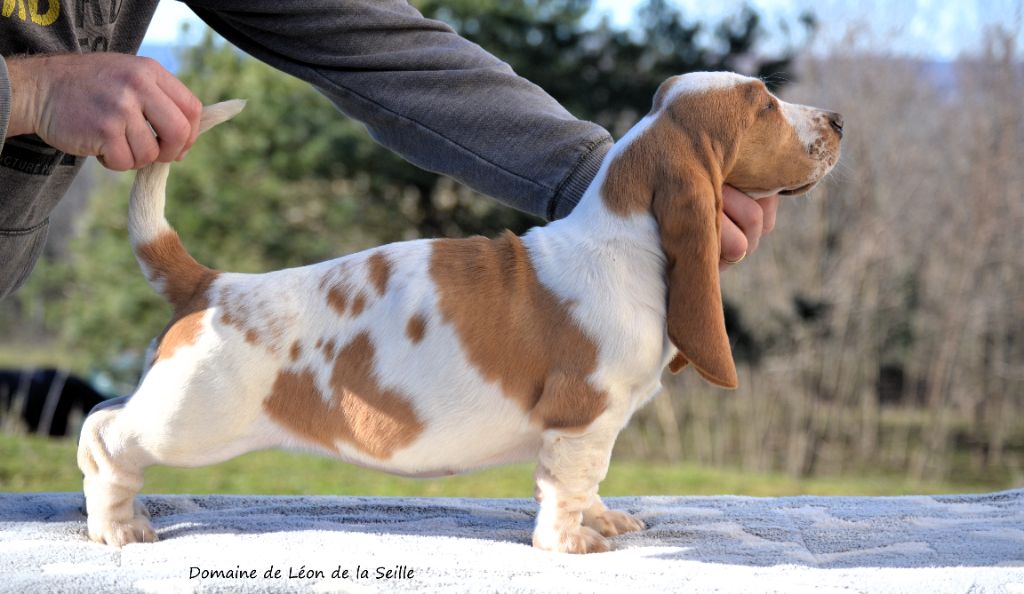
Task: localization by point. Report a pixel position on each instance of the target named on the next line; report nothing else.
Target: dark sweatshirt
(440, 101)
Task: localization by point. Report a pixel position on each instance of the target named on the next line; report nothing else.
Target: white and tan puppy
(434, 357)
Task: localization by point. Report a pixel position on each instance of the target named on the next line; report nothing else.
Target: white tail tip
(219, 112)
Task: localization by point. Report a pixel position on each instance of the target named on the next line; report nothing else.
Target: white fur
(704, 82)
(801, 118)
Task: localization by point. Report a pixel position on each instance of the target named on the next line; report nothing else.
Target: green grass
(29, 463)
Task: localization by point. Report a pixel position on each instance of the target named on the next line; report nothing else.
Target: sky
(935, 29)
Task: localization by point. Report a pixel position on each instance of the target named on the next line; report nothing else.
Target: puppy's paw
(139, 509)
(577, 540)
(612, 523)
(118, 534)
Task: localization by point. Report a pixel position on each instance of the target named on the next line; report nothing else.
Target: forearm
(17, 89)
(442, 102)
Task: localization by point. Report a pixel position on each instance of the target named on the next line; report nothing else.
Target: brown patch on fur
(415, 328)
(183, 279)
(515, 331)
(677, 363)
(381, 420)
(358, 304)
(360, 412)
(337, 298)
(329, 349)
(295, 351)
(380, 271)
(337, 288)
(226, 318)
(262, 326)
(296, 402)
(186, 285)
(182, 330)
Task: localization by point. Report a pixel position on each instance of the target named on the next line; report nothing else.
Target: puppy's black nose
(836, 121)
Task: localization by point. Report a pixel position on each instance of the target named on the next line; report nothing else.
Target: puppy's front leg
(609, 522)
(568, 473)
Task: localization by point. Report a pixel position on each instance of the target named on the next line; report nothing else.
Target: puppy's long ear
(688, 210)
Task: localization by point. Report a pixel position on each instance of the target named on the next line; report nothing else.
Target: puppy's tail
(170, 270)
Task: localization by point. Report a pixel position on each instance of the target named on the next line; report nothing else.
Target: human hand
(126, 110)
(746, 220)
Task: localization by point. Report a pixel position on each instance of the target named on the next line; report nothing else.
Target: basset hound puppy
(434, 357)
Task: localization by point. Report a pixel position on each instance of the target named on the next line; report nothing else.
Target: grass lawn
(29, 463)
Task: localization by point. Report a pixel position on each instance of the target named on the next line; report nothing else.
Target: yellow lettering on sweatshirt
(34, 10)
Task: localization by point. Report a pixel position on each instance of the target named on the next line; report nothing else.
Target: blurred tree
(289, 182)
(604, 74)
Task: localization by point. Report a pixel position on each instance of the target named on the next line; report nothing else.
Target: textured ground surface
(954, 543)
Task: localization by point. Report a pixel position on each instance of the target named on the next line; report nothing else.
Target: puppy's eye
(770, 105)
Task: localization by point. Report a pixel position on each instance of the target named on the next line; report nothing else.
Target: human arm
(444, 103)
(440, 101)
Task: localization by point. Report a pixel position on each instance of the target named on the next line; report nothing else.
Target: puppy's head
(762, 144)
(707, 129)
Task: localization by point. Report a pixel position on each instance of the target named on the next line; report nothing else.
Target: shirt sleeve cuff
(572, 189)
(5, 100)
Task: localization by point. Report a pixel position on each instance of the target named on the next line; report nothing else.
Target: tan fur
(770, 135)
(530, 345)
(256, 326)
(358, 304)
(380, 271)
(359, 411)
(186, 285)
(415, 328)
(338, 299)
(229, 319)
(181, 331)
(337, 288)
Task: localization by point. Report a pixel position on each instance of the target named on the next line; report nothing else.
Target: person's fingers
(113, 151)
(141, 140)
(745, 213)
(172, 128)
(770, 207)
(116, 155)
(734, 244)
(187, 104)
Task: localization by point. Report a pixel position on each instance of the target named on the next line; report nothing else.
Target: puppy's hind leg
(112, 461)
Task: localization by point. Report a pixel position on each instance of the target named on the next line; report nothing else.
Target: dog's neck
(592, 222)
(619, 257)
